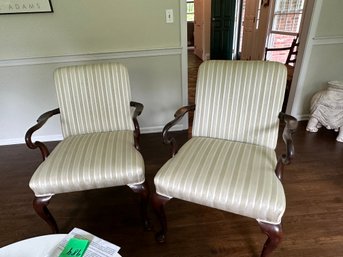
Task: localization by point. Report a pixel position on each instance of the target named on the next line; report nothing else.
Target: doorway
(222, 29)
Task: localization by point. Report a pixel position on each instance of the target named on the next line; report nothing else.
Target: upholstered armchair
(230, 162)
(101, 137)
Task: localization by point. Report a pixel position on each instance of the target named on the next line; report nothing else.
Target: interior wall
(133, 32)
(88, 26)
(321, 58)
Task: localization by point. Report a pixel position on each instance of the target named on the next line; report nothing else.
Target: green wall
(321, 59)
(90, 26)
(133, 32)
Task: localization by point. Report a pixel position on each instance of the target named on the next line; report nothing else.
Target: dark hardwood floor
(313, 222)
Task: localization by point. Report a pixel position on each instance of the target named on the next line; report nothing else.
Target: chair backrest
(93, 98)
(239, 101)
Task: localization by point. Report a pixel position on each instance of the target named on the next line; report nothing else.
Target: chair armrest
(291, 125)
(138, 110)
(167, 138)
(40, 122)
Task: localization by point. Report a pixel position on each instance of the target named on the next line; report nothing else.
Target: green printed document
(75, 247)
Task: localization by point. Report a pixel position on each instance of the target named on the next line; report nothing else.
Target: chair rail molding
(52, 61)
(91, 57)
(327, 40)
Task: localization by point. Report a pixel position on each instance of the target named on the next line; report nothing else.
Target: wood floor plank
(313, 221)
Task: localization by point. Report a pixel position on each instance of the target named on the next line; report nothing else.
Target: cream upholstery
(90, 161)
(96, 118)
(93, 98)
(240, 101)
(226, 175)
(101, 131)
(230, 162)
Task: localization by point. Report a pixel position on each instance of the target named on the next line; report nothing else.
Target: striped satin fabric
(239, 100)
(89, 161)
(231, 176)
(230, 161)
(93, 98)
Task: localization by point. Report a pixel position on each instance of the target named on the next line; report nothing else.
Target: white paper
(97, 247)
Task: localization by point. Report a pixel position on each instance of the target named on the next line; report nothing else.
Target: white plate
(32, 247)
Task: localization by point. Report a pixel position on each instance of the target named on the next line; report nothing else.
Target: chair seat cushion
(231, 176)
(89, 161)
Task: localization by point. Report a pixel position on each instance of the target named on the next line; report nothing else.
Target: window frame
(189, 13)
(280, 13)
(274, 35)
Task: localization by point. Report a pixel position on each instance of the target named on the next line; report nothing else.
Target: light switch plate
(169, 16)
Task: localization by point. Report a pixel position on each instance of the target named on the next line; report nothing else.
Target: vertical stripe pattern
(90, 161)
(93, 98)
(226, 175)
(229, 163)
(98, 150)
(239, 100)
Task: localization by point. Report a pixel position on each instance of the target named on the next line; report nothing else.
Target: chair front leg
(40, 206)
(274, 233)
(143, 190)
(158, 202)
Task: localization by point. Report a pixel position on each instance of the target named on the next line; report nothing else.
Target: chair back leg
(143, 190)
(274, 233)
(158, 202)
(40, 206)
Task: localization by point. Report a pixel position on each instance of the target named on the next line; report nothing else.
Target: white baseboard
(59, 137)
(303, 117)
(21, 140)
(159, 129)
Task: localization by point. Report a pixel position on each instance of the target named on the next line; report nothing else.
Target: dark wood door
(222, 26)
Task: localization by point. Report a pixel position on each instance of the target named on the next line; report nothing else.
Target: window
(286, 22)
(190, 10)
(287, 16)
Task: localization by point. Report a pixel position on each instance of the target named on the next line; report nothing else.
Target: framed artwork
(25, 6)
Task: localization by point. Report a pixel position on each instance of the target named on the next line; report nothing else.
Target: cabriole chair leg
(143, 190)
(158, 202)
(40, 206)
(274, 233)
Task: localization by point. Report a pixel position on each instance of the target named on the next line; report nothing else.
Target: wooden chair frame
(274, 232)
(40, 203)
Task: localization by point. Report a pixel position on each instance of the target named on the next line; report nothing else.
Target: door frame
(184, 58)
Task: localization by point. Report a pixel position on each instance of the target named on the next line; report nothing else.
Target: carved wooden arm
(40, 122)
(291, 125)
(138, 110)
(167, 138)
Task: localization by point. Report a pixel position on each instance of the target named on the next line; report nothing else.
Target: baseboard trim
(59, 137)
(21, 140)
(303, 117)
(159, 129)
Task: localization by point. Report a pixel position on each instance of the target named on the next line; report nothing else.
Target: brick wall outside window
(286, 24)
